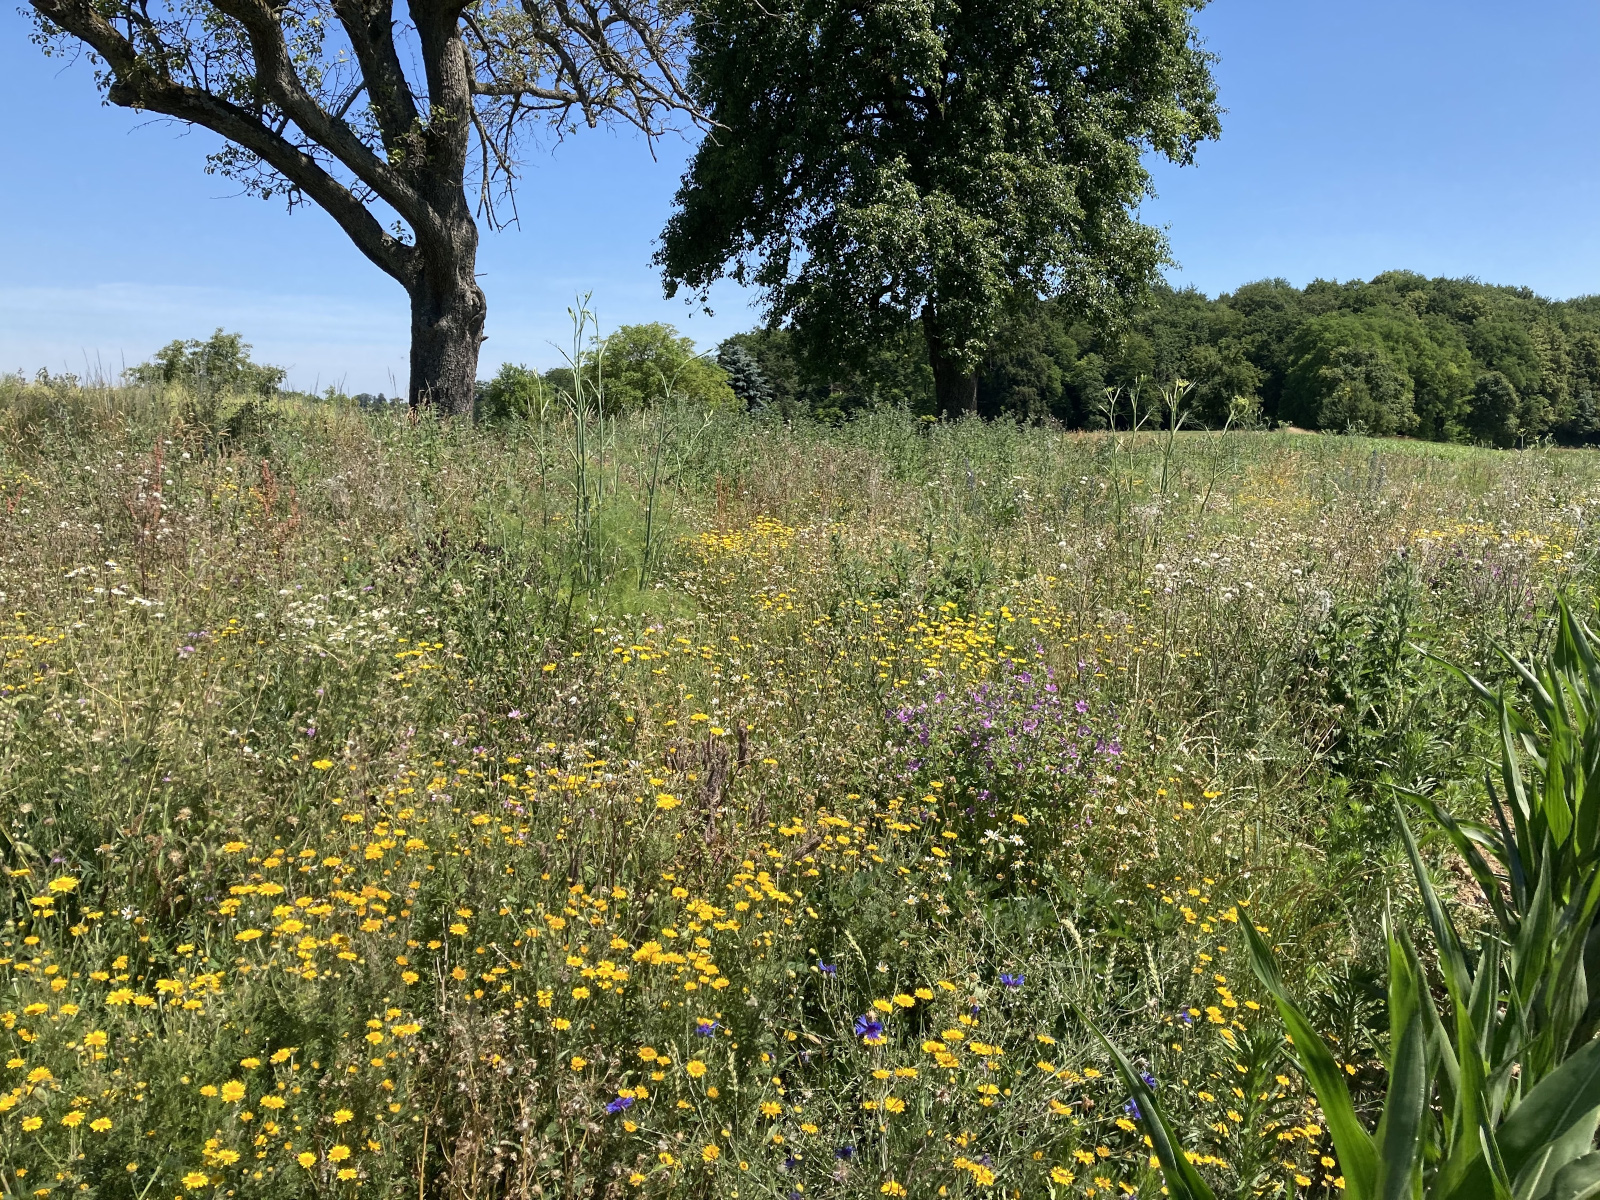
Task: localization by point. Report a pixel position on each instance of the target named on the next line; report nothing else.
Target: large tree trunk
(955, 387)
(447, 312)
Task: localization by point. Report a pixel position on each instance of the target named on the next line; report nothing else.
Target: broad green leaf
(1480, 689)
(1537, 1177)
(1451, 959)
(1510, 850)
(1566, 987)
(1578, 1180)
(1555, 1122)
(1358, 1153)
(1582, 639)
(1586, 830)
(1446, 1070)
(1543, 702)
(1485, 1017)
(1471, 1109)
(1511, 777)
(1531, 951)
(1401, 1132)
(1466, 844)
(1557, 812)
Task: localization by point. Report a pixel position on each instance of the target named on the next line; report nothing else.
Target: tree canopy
(645, 364)
(1446, 359)
(883, 165)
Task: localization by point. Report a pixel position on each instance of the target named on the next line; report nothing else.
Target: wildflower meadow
(689, 803)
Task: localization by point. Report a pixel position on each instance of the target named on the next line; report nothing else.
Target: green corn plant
(1463, 1118)
(1536, 857)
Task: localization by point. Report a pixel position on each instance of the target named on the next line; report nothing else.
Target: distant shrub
(639, 366)
(517, 392)
(643, 363)
(220, 364)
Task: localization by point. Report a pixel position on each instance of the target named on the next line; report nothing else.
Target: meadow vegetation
(683, 802)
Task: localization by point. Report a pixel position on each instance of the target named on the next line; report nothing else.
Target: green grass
(357, 684)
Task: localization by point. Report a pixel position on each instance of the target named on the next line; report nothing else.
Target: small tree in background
(1362, 389)
(220, 364)
(643, 361)
(774, 354)
(635, 367)
(1494, 409)
(744, 376)
(517, 392)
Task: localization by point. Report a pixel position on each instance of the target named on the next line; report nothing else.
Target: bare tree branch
(281, 81)
(137, 86)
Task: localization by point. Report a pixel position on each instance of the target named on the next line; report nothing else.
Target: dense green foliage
(744, 376)
(221, 363)
(647, 364)
(880, 165)
(637, 366)
(1443, 359)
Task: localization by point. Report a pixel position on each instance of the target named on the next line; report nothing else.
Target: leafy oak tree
(385, 119)
(876, 164)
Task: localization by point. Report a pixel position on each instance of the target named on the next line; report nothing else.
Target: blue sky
(1447, 138)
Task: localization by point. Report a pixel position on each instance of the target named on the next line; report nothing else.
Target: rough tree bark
(447, 313)
(447, 305)
(955, 385)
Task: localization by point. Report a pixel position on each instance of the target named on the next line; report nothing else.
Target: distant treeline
(1443, 359)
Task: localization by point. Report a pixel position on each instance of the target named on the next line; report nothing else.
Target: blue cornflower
(869, 1028)
(827, 968)
(845, 1153)
(1132, 1109)
(1011, 981)
(1149, 1080)
(620, 1103)
(705, 1028)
